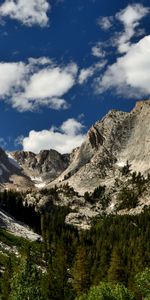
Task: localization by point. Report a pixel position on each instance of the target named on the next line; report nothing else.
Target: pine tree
(25, 284)
(80, 271)
(116, 271)
(5, 282)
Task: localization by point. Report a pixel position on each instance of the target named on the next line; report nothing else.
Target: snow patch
(121, 164)
(112, 206)
(40, 185)
(38, 182)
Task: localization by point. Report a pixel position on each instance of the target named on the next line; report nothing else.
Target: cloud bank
(28, 12)
(63, 139)
(39, 82)
(129, 17)
(131, 73)
(129, 76)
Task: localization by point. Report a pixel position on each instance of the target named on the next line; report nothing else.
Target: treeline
(109, 256)
(13, 203)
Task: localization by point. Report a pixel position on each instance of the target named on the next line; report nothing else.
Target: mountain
(102, 187)
(43, 167)
(117, 138)
(23, 170)
(11, 174)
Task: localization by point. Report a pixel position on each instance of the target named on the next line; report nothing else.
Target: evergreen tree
(116, 272)
(26, 282)
(6, 281)
(80, 271)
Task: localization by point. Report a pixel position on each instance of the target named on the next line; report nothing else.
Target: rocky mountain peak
(142, 104)
(117, 138)
(42, 167)
(111, 142)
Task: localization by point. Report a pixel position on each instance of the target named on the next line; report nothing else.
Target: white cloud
(131, 73)
(11, 75)
(105, 22)
(63, 139)
(129, 17)
(36, 83)
(28, 12)
(98, 51)
(85, 74)
(50, 82)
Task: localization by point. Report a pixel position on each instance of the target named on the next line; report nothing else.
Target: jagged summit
(111, 142)
(23, 169)
(11, 173)
(117, 138)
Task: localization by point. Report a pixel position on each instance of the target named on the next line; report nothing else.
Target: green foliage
(68, 190)
(99, 192)
(116, 271)
(114, 250)
(143, 283)
(106, 291)
(26, 282)
(13, 203)
(80, 271)
(127, 198)
(50, 192)
(6, 280)
(126, 169)
(98, 195)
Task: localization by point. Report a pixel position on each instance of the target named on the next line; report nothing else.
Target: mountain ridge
(122, 137)
(112, 141)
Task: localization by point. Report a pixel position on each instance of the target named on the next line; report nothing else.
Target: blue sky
(64, 64)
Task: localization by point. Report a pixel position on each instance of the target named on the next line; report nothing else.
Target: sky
(64, 64)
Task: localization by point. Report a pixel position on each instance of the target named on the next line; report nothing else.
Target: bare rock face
(11, 174)
(117, 138)
(43, 167)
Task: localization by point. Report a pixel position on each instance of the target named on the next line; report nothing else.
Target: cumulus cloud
(39, 82)
(131, 72)
(98, 51)
(11, 75)
(63, 139)
(129, 17)
(28, 12)
(129, 75)
(105, 22)
(85, 74)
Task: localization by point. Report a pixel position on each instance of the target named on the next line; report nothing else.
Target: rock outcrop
(11, 173)
(43, 167)
(117, 138)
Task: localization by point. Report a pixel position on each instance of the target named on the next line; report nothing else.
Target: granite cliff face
(11, 174)
(23, 170)
(117, 138)
(43, 167)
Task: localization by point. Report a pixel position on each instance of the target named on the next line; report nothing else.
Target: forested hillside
(111, 256)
